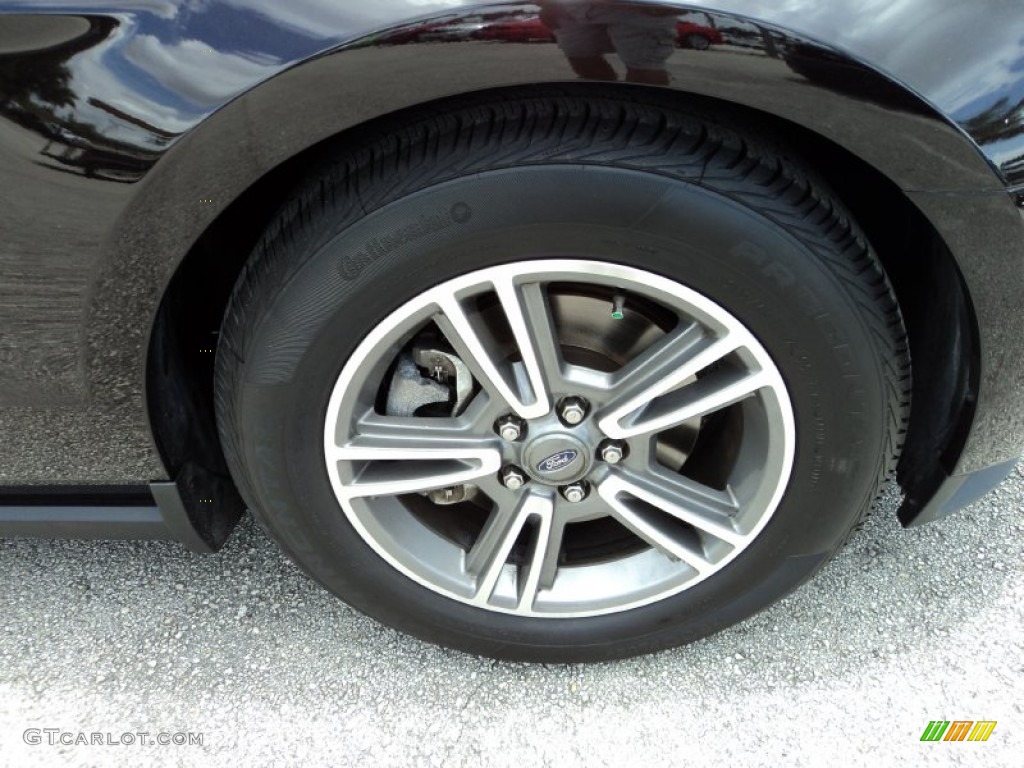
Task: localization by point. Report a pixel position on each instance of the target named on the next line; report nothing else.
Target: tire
(570, 196)
(697, 42)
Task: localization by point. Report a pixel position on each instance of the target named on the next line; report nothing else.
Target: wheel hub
(557, 458)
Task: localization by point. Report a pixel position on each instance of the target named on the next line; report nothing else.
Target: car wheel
(697, 42)
(561, 378)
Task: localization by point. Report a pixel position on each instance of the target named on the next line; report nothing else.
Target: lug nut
(574, 493)
(573, 410)
(513, 478)
(613, 452)
(510, 428)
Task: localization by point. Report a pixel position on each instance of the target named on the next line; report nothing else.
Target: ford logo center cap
(558, 461)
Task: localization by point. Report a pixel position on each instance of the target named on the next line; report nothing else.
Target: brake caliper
(448, 381)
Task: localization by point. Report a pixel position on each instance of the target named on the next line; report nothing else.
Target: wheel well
(942, 334)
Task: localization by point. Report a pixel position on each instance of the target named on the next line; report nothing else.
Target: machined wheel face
(559, 438)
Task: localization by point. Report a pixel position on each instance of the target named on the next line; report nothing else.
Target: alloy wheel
(559, 438)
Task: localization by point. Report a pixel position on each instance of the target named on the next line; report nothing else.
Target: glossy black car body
(144, 144)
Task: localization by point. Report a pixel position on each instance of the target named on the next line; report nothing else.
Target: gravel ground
(903, 628)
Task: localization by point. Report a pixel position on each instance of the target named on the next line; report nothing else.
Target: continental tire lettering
(353, 264)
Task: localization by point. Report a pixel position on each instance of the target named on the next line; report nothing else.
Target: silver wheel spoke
(486, 561)
(526, 396)
(709, 511)
(663, 365)
(541, 330)
(699, 399)
(549, 563)
(661, 538)
(654, 399)
(402, 456)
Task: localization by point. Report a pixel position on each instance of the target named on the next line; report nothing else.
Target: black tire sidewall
(784, 289)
